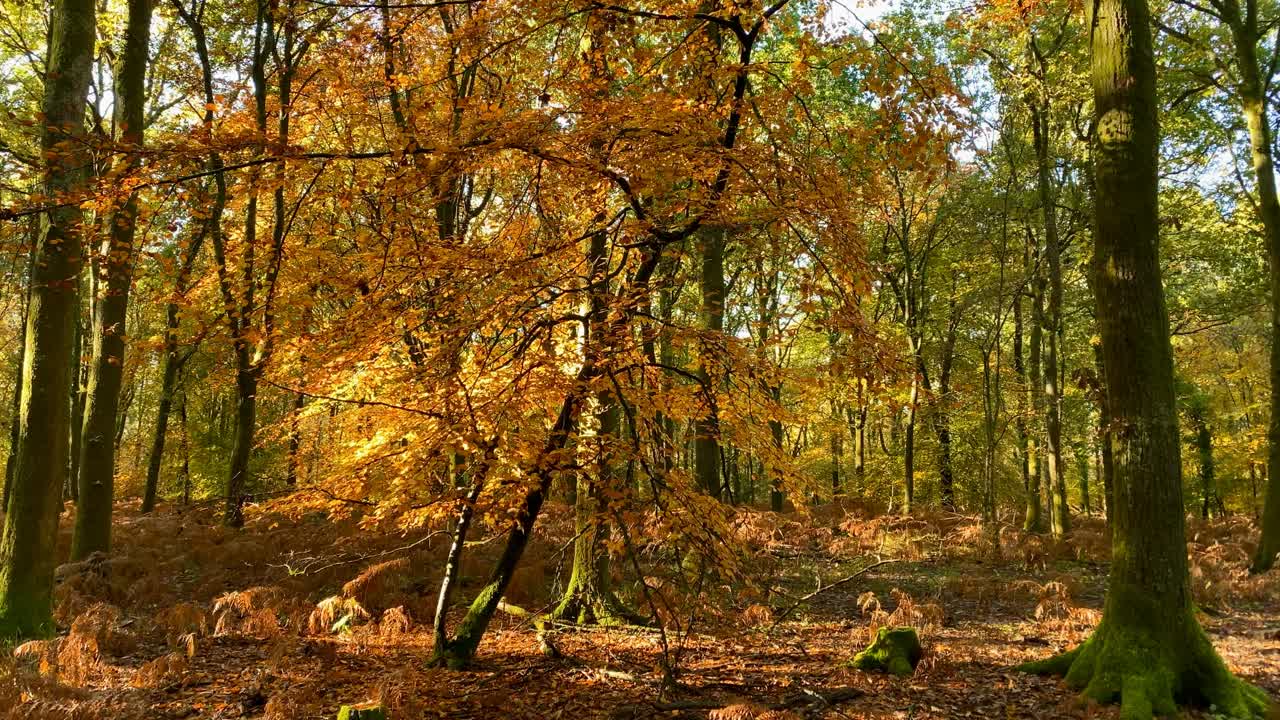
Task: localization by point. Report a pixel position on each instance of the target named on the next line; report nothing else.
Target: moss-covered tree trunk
(29, 538)
(115, 269)
(1149, 650)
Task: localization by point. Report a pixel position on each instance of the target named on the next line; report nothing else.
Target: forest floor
(190, 620)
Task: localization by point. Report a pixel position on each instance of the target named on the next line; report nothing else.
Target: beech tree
(31, 516)
(1149, 650)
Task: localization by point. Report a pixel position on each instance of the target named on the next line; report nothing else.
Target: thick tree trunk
(1149, 650)
(31, 523)
(106, 364)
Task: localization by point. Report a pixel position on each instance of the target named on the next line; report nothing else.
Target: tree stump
(895, 650)
(371, 712)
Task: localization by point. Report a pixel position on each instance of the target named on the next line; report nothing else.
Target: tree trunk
(242, 445)
(707, 442)
(1254, 105)
(942, 413)
(775, 431)
(106, 364)
(173, 362)
(1204, 457)
(1149, 650)
(1035, 380)
(15, 420)
(31, 523)
(1031, 488)
(909, 449)
(71, 489)
(1051, 320)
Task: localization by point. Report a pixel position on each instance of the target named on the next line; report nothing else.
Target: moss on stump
(895, 650)
(352, 712)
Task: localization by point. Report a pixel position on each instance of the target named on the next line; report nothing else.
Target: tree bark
(31, 522)
(115, 265)
(1149, 650)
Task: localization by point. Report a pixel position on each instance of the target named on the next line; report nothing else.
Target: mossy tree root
(1152, 675)
(587, 606)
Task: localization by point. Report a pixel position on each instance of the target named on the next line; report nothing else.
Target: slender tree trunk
(1254, 106)
(707, 442)
(909, 449)
(31, 522)
(186, 452)
(1149, 650)
(837, 454)
(1050, 319)
(1204, 457)
(1030, 485)
(71, 490)
(173, 363)
(453, 562)
(1036, 379)
(776, 496)
(106, 365)
(942, 413)
(15, 421)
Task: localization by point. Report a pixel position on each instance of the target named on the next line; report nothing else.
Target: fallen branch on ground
(805, 598)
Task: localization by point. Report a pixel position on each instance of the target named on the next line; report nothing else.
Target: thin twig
(825, 588)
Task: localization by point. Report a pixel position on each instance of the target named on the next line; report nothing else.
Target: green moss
(1151, 667)
(895, 650)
